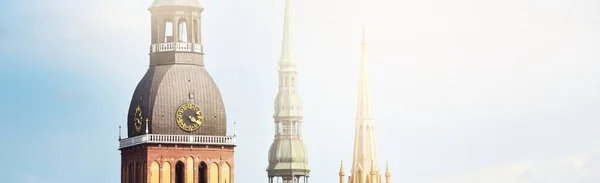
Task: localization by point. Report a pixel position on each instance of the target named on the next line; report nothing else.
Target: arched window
(225, 175)
(182, 30)
(202, 172)
(168, 32)
(179, 173)
(214, 173)
(154, 172)
(166, 172)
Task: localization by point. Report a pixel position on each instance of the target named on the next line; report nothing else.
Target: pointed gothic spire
(387, 170)
(363, 109)
(287, 49)
(365, 150)
(342, 174)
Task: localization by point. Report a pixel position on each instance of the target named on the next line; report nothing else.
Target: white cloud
(582, 168)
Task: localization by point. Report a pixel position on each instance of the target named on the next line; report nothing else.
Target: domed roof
(288, 157)
(165, 88)
(194, 3)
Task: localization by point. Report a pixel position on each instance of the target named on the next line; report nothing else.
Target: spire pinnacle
(364, 39)
(387, 172)
(287, 49)
(341, 167)
(365, 151)
(364, 91)
(387, 166)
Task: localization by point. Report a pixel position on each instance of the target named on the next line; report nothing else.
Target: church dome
(193, 3)
(167, 90)
(288, 157)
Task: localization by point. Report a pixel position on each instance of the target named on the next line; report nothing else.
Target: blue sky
(463, 91)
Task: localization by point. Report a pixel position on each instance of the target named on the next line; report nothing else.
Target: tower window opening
(202, 171)
(281, 128)
(179, 172)
(286, 129)
(182, 30)
(168, 32)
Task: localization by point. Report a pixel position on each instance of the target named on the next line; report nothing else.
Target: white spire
(365, 150)
(363, 109)
(288, 103)
(288, 56)
(288, 156)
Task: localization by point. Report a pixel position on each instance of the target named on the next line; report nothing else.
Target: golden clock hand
(193, 119)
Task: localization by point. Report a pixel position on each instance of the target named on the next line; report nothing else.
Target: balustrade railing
(177, 139)
(183, 47)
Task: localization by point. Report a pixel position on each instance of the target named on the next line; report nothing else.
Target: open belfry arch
(176, 124)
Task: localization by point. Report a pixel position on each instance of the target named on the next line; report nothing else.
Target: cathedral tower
(176, 125)
(288, 158)
(365, 168)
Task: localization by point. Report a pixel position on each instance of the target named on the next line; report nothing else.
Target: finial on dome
(146, 125)
(234, 124)
(119, 132)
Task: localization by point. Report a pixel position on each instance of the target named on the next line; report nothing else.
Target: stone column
(160, 172)
(173, 175)
(196, 171)
(175, 29)
(231, 173)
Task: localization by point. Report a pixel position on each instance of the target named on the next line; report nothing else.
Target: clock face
(189, 117)
(137, 119)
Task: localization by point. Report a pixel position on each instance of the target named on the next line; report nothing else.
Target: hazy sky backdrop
(469, 91)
